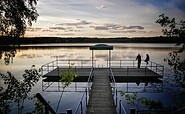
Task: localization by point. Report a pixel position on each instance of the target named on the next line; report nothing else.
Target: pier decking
(101, 99)
(121, 74)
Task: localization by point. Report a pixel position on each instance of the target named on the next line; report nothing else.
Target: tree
(175, 30)
(15, 15)
(17, 90)
(66, 77)
(134, 100)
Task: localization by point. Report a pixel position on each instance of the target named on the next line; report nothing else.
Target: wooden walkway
(101, 99)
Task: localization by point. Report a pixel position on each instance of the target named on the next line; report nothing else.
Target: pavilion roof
(101, 47)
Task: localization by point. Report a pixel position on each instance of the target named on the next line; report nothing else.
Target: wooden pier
(101, 99)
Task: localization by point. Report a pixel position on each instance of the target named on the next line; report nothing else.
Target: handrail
(157, 68)
(65, 63)
(47, 106)
(120, 101)
(85, 92)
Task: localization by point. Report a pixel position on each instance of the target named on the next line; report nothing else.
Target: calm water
(29, 55)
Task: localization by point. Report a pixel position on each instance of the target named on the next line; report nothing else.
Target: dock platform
(121, 74)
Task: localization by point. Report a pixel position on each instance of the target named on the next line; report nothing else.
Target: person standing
(138, 58)
(147, 59)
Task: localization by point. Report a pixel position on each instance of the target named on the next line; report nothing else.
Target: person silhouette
(147, 59)
(139, 60)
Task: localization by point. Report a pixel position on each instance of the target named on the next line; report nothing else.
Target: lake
(28, 55)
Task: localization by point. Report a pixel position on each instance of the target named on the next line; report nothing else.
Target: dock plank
(101, 99)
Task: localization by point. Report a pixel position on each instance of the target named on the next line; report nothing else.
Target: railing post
(48, 68)
(53, 65)
(132, 111)
(156, 68)
(57, 60)
(127, 70)
(86, 96)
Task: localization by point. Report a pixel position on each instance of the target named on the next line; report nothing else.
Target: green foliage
(39, 107)
(15, 15)
(178, 66)
(66, 77)
(174, 29)
(134, 100)
(151, 104)
(18, 90)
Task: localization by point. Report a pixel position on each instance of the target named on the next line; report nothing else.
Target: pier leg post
(116, 96)
(69, 111)
(86, 96)
(81, 107)
(119, 106)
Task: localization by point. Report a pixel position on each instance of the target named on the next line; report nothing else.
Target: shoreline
(48, 40)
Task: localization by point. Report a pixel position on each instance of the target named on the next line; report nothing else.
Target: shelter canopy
(101, 47)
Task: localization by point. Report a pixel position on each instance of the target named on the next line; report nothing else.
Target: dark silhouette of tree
(17, 91)
(176, 30)
(15, 15)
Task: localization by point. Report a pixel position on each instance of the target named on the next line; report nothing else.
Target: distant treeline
(40, 40)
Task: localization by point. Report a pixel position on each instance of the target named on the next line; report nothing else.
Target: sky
(103, 18)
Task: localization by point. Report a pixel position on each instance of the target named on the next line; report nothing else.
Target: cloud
(101, 7)
(57, 28)
(33, 29)
(65, 34)
(117, 27)
(100, 28)
(83, 22)
(134, 27)
(124, 31)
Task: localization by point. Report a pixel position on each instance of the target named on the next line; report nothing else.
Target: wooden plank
(101, 99)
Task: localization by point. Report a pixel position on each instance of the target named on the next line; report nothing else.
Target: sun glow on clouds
(102, 18)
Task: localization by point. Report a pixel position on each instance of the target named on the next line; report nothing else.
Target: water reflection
(38, 56)
(7, 53)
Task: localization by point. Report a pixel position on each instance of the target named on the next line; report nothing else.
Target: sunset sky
(103, 18)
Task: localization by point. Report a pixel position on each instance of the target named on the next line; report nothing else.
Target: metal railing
(48, 67)
(155, 67)
(120, 108)
(80, 108)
